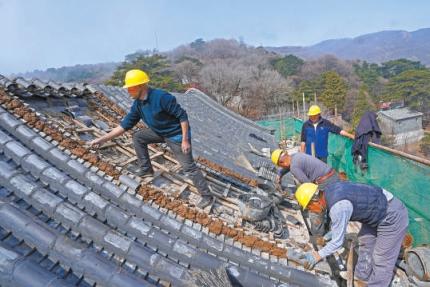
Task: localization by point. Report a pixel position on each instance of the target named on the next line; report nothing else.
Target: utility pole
(280, 124)
(315, 99)
(294, 112)
(304, 108)
(156, 41)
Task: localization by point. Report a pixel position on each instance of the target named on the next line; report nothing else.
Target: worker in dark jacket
(306, 168)
(384, 221)
(167, 122)
(315, 131)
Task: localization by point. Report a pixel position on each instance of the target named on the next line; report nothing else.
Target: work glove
(309, 260)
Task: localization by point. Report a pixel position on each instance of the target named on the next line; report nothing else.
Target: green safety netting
(285, 128)
(406, 179)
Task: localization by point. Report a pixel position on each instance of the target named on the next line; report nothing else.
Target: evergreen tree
(157, 67)
(368, 73)
(288, 65)
(198, 44)
(395, 67)
(362, 105)
(334, 91)
(309, 88)
(413, 87)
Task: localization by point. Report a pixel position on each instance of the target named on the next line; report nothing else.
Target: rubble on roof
(85, 210)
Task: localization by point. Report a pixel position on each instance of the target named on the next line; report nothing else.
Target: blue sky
(38, 34)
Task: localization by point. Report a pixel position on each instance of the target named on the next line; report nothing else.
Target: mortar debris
(226, 171)
(30, 118)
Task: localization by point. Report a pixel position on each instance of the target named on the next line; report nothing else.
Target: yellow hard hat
(276, 154)
(314, 110)
(134, 78)
(305, 192)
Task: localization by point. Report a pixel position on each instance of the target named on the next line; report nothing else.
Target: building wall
(390, 126)
(386, 124)
(404, 131)
(408, 125)
(408, 137)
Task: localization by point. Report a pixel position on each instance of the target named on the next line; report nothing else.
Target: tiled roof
(74, 217)
(400, 114)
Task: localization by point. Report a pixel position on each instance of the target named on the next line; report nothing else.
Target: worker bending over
(306, 168)
(384, 221)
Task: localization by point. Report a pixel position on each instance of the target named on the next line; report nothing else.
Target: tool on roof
(242, 161)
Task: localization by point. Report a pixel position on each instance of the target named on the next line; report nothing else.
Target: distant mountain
(90, 73)
(376, 47)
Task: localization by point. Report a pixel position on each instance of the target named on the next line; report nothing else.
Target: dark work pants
(143, 137)
(379, 247)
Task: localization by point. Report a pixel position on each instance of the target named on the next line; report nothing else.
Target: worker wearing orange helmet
(315, 131)
(167, 122)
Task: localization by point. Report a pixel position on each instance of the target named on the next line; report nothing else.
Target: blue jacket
(368, 201)
(160, 112)
(318, 135)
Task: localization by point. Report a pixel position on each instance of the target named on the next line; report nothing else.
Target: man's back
(306, 168)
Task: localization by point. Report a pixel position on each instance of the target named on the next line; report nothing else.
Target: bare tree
(314, 68)
(187, 71)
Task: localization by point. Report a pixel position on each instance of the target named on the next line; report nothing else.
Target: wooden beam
(156, 155)
(181, 190)
(120, 149)
(106, 145)
(103, 116)
(160, 166)
(402, 154)
(130, 160)
(169, 158)
(176, 168)
(83, 130)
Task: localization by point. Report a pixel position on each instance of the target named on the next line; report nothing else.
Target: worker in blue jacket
(315, 131)
(167, 122)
